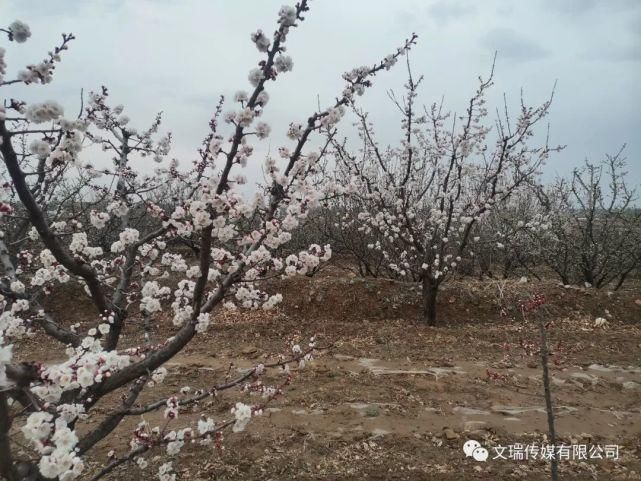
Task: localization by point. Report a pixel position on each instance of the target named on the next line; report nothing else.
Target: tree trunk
(564, 279)
(554, 463)
(5, 260)
(507, 268)
(429, 291)
(6, 466)
(621, 280)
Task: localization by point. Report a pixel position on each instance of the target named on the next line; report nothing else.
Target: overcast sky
(179, 56)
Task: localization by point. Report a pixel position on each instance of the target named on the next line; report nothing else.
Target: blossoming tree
(593, 225)
(422, 198)
(237, 240)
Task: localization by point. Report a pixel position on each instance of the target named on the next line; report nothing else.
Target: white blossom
(242, 414)
(20, 31)
(262, 130)
(40, 148)
(283, 63)
(260, 40)
(43, 112)
(287, 16)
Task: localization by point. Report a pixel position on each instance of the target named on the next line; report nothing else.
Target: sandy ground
(395, 399)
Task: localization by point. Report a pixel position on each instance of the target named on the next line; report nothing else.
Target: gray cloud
(581, 7)
(450, 10)
(513, 46)
(634, 25)
(178, 57)
(571, 7)
(613, 53)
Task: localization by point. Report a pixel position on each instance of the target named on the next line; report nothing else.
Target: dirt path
(596, 399)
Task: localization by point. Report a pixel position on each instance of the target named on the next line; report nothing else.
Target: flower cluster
(44, 112)
(98, 219)
(242, 415)
(19, 31)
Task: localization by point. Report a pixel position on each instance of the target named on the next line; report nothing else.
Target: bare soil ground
(394, 399)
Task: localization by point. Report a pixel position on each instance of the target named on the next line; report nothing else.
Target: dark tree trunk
(621, 280)
(554, 463)
(564, 279)
(507, 268)
(588, 271)
(430, 292)
(6, 466)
